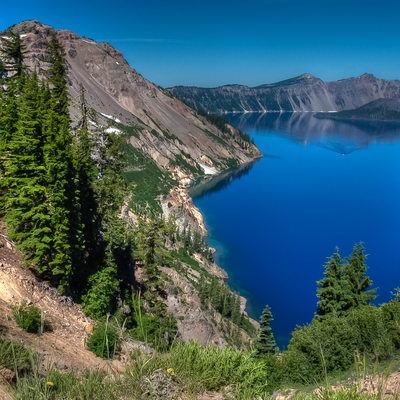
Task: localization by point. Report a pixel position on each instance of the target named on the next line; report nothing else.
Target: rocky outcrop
(303, 93)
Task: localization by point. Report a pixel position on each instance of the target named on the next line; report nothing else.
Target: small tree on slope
(265, 342)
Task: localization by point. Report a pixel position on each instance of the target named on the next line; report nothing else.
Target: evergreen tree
(60, 173)
(57, 76)
(150, 248)
(345, 285)
(27, 214)
(265, 342)
(9, 105)
(2, 69)
(355, 274)
(86, 219)
(13, 53)
(333, 290)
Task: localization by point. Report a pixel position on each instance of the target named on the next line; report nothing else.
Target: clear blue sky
(215, 42)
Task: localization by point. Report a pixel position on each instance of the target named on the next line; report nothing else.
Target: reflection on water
(342, 137)
(219, 182)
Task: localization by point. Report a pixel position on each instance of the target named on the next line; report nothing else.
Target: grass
(145, 179)
(187, 368)
(14, 356)
(30, 319)
(200, 368)
(348, 383)
(104, 340)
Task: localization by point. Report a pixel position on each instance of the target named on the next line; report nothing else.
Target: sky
(209, 43)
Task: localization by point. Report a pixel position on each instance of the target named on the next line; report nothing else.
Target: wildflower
(170, 372)
(49, 383)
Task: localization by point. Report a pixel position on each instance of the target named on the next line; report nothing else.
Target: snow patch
(23, 35)
(208, 170)
(111, 117)
(111, 129)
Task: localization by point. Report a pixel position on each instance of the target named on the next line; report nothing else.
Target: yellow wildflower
(49, 383)
(170, 372)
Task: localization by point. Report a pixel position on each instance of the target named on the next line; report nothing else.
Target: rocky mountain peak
(368, 77)
(28, 26)
(307, 76)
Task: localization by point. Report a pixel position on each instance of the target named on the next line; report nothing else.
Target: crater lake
(320, 184)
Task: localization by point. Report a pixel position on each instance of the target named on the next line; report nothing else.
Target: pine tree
(13, 54)
(27, 214)
(60, 173)
(9, 104)
(265, 342)
(333, 290)
(355, 274)
(150, 248)
(85, 217)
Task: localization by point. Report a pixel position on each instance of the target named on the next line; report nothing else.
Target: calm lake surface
(320, 184)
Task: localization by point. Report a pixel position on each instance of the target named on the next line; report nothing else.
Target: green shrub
(30, 319)
(391, 316)
(14, 356)
(329, 345)
(103, 342)
(155, 330)
(100, 298)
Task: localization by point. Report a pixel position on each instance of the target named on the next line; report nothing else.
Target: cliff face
(303, 93)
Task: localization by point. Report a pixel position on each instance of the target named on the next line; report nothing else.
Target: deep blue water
(319, 185)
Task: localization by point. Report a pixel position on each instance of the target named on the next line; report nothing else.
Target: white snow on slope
(111, 129)
(111, 117)
(208, 170)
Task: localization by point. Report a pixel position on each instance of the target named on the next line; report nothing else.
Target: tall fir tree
(27, 214)
(333, 290)
(265, 342)
(12, 52)
(12, 76)
(345, 285)
(60, 172)
(86, 216)
(355, 274)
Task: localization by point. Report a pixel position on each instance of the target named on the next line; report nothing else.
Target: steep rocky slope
(303, 93)
(166, 135)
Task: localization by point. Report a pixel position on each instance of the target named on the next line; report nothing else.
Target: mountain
(377, 110)
(302, 93)
(169, 141)
(168, 147)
